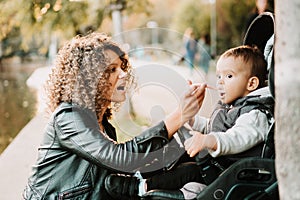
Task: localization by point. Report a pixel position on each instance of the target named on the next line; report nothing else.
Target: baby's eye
(229, 76)
(218, 76)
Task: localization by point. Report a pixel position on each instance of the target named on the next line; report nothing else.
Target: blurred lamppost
(154, 34)
(213, 27)
(116, 6)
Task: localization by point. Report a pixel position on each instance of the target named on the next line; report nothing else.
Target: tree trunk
(287, 89)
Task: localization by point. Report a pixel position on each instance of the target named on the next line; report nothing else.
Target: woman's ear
(253, 83)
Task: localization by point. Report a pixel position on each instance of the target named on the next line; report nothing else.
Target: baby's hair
(254, 57)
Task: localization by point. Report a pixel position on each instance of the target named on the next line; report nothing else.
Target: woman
(79, 148)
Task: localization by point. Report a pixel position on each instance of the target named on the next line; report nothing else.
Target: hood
(263, 92)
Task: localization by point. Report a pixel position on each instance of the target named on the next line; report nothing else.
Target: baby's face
(232, 78)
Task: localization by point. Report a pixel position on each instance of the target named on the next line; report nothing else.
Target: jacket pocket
(79, 192)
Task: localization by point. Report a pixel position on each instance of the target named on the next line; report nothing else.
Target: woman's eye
(113, 69)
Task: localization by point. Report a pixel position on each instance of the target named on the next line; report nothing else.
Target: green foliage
(194, 14)
(232, 15)
(231, 19)
(140, 6)
(8, 12)
(37, 20)
(11, 45)
(42, 18)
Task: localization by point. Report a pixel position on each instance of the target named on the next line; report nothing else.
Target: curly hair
(80, 74)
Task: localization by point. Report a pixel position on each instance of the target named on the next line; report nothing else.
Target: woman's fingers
(199, 93)
(192, 101)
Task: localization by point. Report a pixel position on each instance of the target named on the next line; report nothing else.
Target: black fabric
(260, 30)
(210, 169)
(176, 178)
(163, 195)
(122, 187)
(258, 33)
(237, 182)
(110, 130)
(269, 146)
(271, 77)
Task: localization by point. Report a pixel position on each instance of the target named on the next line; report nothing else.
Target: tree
(194, 14)
(38, 20)
(287, 87)
(231, 19)
(232, 16)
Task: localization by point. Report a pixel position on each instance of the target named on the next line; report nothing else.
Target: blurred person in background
(204, 51)
(190, 44)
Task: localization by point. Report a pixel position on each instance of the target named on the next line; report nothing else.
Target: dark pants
(176, 178)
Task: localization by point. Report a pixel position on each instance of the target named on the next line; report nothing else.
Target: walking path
(16, 160)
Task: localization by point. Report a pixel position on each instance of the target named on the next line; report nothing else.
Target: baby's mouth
(222, 95)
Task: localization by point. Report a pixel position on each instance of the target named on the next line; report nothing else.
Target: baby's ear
(253, 83)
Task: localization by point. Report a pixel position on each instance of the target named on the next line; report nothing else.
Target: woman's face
(232, 79)
(117, 92)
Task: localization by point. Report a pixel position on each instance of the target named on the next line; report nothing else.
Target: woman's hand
(192, 102)
(189, 105)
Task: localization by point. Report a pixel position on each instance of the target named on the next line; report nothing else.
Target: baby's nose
(220, 81)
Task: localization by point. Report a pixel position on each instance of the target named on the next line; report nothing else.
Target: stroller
(249, 178)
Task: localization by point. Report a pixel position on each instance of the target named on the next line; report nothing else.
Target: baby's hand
(194, 144)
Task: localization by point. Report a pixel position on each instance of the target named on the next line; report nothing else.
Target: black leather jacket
(74, 157)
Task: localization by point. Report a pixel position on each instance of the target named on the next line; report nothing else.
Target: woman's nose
(122, 74)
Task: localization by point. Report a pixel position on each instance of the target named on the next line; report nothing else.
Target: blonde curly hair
(81, 73)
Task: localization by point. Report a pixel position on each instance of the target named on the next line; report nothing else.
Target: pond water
(17, 100)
